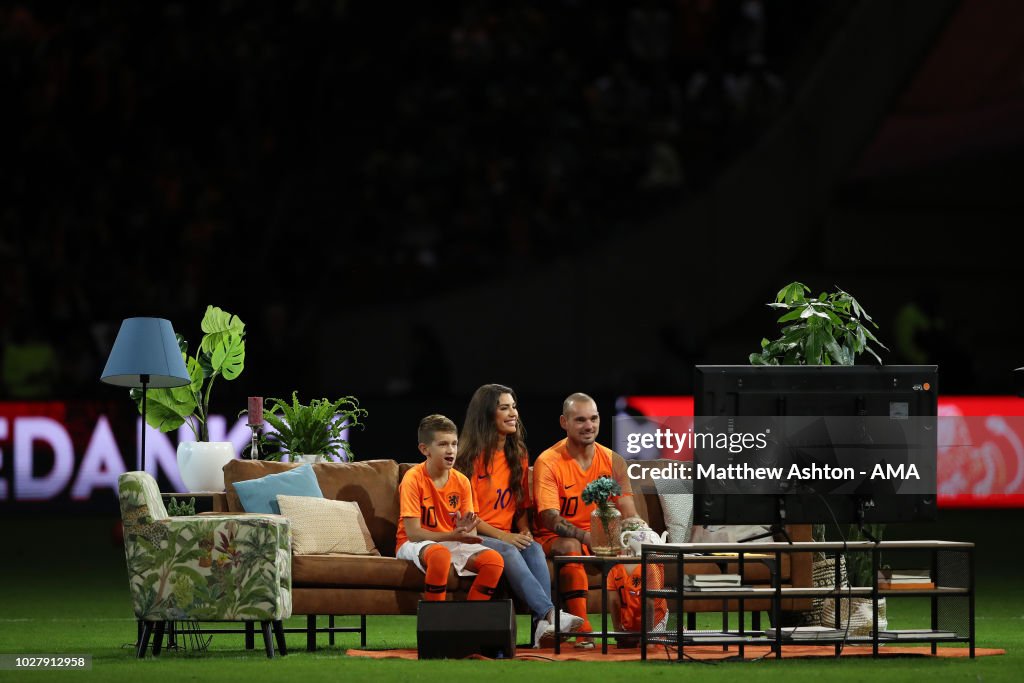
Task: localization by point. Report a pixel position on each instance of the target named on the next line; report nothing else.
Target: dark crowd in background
(277, 159)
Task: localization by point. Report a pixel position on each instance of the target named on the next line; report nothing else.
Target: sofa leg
(147, 630)
(172, 635)
(755, 621)
(282, 647)
(158, 637)
(310, 633)
(250, 636)
(330, 633)
(268, 641)
(362, 630)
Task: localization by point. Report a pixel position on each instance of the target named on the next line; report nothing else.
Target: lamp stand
(142, 451)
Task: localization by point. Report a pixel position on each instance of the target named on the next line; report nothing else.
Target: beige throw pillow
(322, 525)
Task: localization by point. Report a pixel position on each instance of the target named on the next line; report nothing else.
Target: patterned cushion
(676, 497)
(320, 526)
(678, 510)
(260, 495)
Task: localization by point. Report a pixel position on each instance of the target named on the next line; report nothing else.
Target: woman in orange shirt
(492, 454)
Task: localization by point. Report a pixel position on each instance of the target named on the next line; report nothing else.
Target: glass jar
(606, 530)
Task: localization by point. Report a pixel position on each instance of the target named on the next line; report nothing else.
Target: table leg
(558, 608)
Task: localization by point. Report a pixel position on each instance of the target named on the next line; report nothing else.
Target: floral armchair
(203, 567)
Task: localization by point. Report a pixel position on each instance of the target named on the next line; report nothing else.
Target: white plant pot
(201, 464)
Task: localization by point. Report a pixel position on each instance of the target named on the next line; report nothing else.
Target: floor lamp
(145, 354)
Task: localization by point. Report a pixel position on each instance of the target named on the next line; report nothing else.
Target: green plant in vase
(316, 429)
(605, 520)
(221, 353)
(830, 329)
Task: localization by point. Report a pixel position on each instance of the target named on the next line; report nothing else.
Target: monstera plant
(221, 353)
(829, 329)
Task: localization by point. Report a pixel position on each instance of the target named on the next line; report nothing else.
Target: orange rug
(705, 652)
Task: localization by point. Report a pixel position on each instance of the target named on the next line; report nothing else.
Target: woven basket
(856, 611)
(823, 575)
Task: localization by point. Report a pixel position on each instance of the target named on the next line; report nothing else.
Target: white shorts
(461, 552)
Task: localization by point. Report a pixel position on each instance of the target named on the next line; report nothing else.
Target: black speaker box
(460, 628)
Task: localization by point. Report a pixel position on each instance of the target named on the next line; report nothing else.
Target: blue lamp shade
(145, 346)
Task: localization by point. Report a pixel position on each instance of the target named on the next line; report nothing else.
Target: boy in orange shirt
(437, 518)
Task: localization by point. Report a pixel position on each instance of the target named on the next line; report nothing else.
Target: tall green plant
(831, 329)
(221, 354)
(827, 330)
(314, 429)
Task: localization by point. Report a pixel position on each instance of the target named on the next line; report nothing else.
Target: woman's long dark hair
(479, 438)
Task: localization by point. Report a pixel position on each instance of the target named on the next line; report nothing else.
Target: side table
(605, 563)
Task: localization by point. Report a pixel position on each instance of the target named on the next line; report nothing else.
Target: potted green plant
(830, 329)
(311, 432)
(827, 330)
(221, 353)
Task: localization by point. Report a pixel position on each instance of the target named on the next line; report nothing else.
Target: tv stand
(778, 526)
(952, 597)
(862, 505)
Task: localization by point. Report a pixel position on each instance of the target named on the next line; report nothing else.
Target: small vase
(606, 530)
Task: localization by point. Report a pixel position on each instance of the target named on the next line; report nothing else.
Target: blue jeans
(527, 574)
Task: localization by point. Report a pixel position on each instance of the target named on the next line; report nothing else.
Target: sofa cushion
(260, 495)
(372, 484)
(353, 571)
(321, 525)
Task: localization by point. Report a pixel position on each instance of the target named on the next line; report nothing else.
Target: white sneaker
(569, 622)
(544, 635)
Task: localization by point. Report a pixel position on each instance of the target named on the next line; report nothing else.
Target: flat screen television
(838, 419)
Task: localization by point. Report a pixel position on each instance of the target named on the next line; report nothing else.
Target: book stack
(720, 637)
(905, 579)
(807, 633)
(915, 634)
(710, 582)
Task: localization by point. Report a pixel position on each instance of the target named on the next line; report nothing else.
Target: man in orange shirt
(437, 518)
(559, 476)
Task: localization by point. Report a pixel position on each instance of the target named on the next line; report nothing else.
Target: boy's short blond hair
(431, 425)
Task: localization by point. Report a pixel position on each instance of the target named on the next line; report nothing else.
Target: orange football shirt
(558, 484)
(492, 493)
(628, 585)
(436, 507)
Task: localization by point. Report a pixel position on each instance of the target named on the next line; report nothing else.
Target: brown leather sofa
(363, 585)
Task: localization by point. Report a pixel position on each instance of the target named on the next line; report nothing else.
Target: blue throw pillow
(260, 495)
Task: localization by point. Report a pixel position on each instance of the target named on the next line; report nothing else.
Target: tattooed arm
(558, 524)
